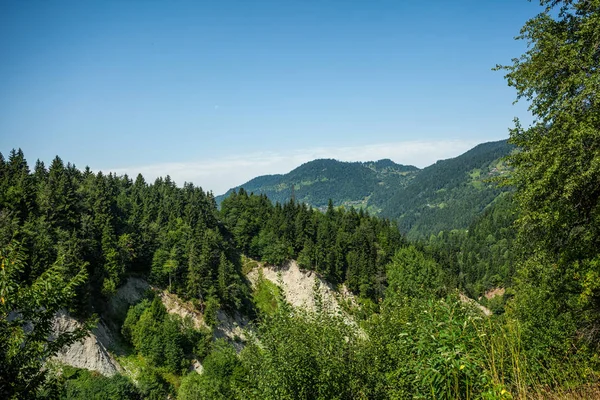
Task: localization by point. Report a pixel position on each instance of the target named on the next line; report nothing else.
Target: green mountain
(450, 193)
(346, 183)
(446, 195)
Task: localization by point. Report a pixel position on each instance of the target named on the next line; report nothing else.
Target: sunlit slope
(446, 195)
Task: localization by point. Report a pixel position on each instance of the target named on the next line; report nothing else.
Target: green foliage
(444, 196)
(194, 387)
(210, 311)
(556, 176)
(82, 384)
(482, 257)
(426, 348)
(26, 313)
(201, 341)
(152, 386)
(266, 295)
(133, 316)
(315, 182)
(116, 226)
(342, 246)
(218, 381)
(163, 339)
(412, 274)
(414, 348)
(302, 356)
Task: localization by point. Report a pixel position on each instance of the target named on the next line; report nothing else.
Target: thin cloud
(219, 175)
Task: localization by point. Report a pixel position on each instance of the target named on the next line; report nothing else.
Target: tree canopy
(557, 170)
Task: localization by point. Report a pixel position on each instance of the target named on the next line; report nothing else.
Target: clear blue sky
(202, 89)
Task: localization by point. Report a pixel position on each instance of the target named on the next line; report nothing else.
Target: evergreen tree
(26, 313)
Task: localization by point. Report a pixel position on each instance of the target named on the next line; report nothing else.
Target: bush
(86, 385)
(163, 339)
(428, 348)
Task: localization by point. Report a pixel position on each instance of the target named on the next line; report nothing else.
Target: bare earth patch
(490, 294)
(299, 286)
(467, 300)
(175, 305)
(90, 352)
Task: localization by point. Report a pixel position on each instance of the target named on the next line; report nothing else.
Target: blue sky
(217, 92)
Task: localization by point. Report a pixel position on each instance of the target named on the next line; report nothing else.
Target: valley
(474, 276)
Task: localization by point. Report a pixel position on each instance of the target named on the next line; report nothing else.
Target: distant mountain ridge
(346, 183)
(443, 196)
(451, 193)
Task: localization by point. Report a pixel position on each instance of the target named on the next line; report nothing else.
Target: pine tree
(26, 313)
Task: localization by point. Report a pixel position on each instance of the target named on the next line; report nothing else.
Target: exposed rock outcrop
(175, 305)
(231, 327)
(486, 311)
(127, 295)
(490, 294)
(299, 286)
(90, 352)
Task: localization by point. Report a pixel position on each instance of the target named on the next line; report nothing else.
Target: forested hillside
(408, 296)
(83, 234)
(114, 226)
(447, 195)
(451, 193)
(505, 304)
(343, 246)
(318, 181)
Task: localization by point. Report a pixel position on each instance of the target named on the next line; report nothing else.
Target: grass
(248, 264)
(265, 295)
(475, 174)
(510, 367)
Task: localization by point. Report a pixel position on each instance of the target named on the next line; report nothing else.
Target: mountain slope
(450, 193)
(446, 195)
(346, 183)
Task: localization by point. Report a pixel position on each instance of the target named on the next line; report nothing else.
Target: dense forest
(343, 246)
(411, 322)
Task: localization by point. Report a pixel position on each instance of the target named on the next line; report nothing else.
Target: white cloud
(221, 174)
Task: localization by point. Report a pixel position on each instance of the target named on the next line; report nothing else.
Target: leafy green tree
(427, 348)
(411, 273)
(27, 339)
(227, 282)
(152, 385)
(301, 355)
(19, 193)
(133, 316)
(556, 172)
(192, 387)
(163, 339)
(85, 385)
(306, 255)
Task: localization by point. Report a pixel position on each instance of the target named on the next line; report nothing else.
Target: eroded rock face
(175, 305)
(299, 286)
(127, 295)
(231, 327)
(486, 311)
(90, 352)
(490, 294)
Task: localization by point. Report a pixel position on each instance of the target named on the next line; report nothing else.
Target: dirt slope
(89, 353)
(299, 286)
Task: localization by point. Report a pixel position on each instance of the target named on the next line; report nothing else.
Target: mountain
(446, 195)
(346, 183)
